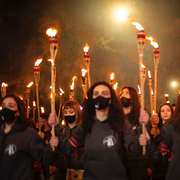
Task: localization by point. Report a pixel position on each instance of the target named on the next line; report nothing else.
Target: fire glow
(86, 48)
(138, 26)
(139, 89)
(51, 32)
(154, 44)
(115, 86)
(83, 72)
(149, 74)
(30, 84)
(38, 62)
(111, 76)
(4, 84)
(61, 92)
(34, 103)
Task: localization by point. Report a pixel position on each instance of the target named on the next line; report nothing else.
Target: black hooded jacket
(18, 148)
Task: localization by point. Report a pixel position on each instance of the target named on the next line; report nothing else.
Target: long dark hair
(115, 118)
(22, 118)
(176, 116)
(159, 113)
(135, 104)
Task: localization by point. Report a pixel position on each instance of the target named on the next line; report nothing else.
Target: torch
(3, 89)
(28, 96)
(115, 86)
(34, 109)
(167, 98)
(37, 78)
(151, 91)
(71, 92)
(111, 81)
(87, 62)
(84, 82)
(60, 101)
(144, 73)
(141, 40)
(53, 50)
(156, 62)
(139, 93)
(42, 110)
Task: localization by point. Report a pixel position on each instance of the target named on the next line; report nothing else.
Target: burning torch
(61, 101)
(87, 62)
(139, 93)
(156, 62)
(37, 78)
(111, 81)
(141, 40)
(3, 89)
(34, 109)
(71, 92)
(144, 73)
(28, 96)
(167, 98)
(84, 82)
(151, 91)
(53, 50)
(115, 86)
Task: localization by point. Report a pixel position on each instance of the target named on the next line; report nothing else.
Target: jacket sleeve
(163, 153)
(131, 140)
(38, 151)
(70, 145)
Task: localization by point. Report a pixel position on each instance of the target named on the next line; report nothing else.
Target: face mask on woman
(125, 102)
(7, 115)
(70, 119)
(101, 102)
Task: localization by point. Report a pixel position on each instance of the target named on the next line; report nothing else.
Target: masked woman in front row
(103, 134)
(19, 144)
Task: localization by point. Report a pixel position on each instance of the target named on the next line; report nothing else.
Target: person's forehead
(9, 100)
(165, 107)
(101, 88)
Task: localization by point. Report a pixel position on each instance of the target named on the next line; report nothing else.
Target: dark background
(113, 47)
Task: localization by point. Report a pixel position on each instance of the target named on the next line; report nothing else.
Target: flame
(52, 61)
(152, 93)
(139, 89)
(74, 78)
(42, 110)
(63, 122)
(38, 62)
(149, 74)
(138, 26)
(111, 76)
(154, 44)
(143, 66)
(4, 84)
(86, 48)
(72, 85)
(30, 84)
(21, 97)
(0, 107)
(83, 72)
(153, 111)
(166, 95)
(34, 103)
(115, 86)
(50, 95)
(62, 92)
(51, 32)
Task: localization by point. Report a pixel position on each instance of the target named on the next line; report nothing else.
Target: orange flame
(149, 74)
(61, 91)
(42, 110)
(30, 84)
(83, 72)
(139, 89)
(154, 44)
(111, 76)
(51, 32)
(52, 61)
(63, 122)
(166, 95)
(0, 107)
(143, 66)
(86, 48)
(138, 26)
(38, 62)
(74, 78)
(152, 93)
(4, 84)
(51, 95)
(115, 86)
(34, 103)
(72, 85)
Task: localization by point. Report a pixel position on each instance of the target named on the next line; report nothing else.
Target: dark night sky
(112, 43)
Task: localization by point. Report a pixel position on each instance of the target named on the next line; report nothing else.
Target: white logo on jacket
(109, 141)
(11, 149)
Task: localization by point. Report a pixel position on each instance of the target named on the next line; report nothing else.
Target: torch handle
(89, 78)
(155, 88)
(143, 131)
(37, 96)
(53, 134)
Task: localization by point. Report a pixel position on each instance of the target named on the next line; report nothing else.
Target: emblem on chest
(11, 149)
(109, 141)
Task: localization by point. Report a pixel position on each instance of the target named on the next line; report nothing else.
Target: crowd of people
(102, 141)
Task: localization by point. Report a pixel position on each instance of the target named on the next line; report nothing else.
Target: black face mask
(125, 102)
(70, 119)
(7, 115)
(101, 102)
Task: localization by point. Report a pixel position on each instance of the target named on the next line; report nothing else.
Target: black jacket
(103, 149)
(17, 150)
